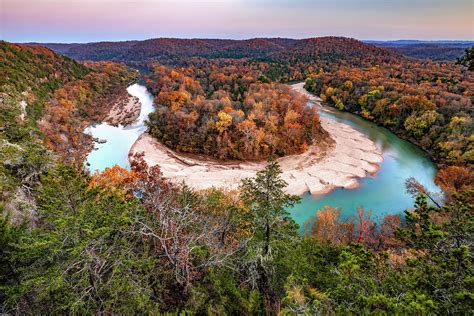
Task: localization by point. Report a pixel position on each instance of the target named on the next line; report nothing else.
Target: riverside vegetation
(129, 241)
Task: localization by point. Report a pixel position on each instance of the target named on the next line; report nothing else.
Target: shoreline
(398, 132)
(125, 111)
(337, 162)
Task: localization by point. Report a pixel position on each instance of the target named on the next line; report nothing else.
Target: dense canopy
(229, 111)
(131, 242)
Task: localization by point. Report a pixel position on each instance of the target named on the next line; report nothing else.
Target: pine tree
(272, 230)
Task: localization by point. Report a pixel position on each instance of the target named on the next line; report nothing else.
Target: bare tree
(180, 231)
(415, 188)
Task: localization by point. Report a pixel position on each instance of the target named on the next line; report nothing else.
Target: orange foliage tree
(222, 109)
(116, 180)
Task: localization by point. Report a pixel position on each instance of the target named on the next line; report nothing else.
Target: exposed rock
(125, 111)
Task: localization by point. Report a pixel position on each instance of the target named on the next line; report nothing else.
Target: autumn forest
(129, 240)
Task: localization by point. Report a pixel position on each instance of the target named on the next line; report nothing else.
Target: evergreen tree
(442, 271)
(468, 59)
(420, 232)
(272, 230)
(86, 256)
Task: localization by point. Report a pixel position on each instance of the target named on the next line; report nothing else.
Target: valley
(274, 176)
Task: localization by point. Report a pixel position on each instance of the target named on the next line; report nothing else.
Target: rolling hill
(174, 51)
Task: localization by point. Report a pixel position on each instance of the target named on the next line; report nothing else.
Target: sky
(70, 21)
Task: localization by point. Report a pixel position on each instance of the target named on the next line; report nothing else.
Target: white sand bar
(338, 162)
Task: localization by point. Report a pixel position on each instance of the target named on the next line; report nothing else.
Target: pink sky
(94, 20)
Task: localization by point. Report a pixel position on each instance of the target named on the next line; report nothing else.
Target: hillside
(132, 242)
(35, 68)
(332, 49)
(447, 51)
(46, 102)
(172, 50)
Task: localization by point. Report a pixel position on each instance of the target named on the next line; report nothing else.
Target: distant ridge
(436, 50)
(410, 42)
(174, 51)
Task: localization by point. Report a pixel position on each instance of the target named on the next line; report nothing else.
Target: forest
(63, 96)
(131, 242)
(229, 111)
(430, 104)
(175, 51)
(78, 104)
(434, 50)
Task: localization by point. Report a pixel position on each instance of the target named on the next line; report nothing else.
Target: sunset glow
(95, 20)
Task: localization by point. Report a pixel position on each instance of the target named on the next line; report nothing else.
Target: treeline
(426, 50)
(228, 110)
(427, 103)
(130, 242)
(174, 51)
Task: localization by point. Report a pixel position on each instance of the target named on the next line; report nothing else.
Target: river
(383, 193)
(119, 139)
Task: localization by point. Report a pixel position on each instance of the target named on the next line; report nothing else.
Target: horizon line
(252, 38)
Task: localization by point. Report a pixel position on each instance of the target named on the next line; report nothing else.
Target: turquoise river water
(383, 193)
(119, 139)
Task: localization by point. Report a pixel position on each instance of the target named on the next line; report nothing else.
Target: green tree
(86, 256)
(417, 125)
(468, 59)
(9, 277)
(420, 232)
(271, 230)
(442, 270)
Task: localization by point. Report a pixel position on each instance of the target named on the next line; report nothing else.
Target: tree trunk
(272, 306)
(267, 239)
